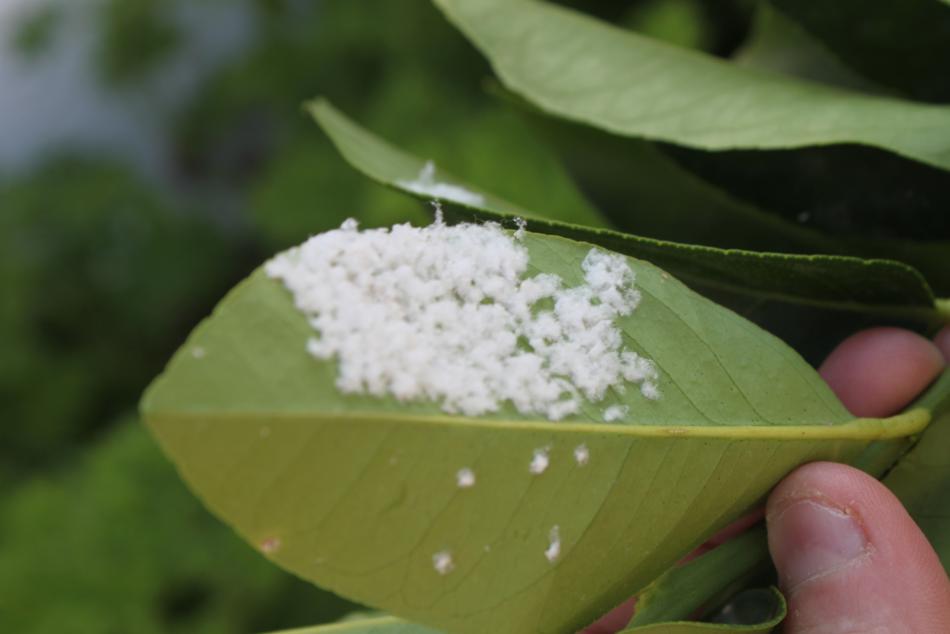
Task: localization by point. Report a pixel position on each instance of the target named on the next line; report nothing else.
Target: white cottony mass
(448, 314)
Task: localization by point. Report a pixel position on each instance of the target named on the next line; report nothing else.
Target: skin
(849, 558)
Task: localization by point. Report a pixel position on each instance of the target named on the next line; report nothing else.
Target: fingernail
(809, 539)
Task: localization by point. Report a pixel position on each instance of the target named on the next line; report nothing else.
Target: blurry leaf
(137, 36)
(584, 70)
(357, 493)
(34, 33)
(832, 281)
(905, 45)
(780, 45)
(376, 625)
(683, 590)
(922, 478)
(679, 22)
(117, 544)
(491, 146)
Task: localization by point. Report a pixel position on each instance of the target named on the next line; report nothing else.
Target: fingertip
(849, 556)
(877, 372)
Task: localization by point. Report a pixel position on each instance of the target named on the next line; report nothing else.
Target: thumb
(850, 559)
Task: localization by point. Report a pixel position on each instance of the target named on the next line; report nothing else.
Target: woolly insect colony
(447, 313)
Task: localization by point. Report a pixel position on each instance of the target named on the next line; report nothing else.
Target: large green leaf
(588, 71)
(881, 286)
(358, 493)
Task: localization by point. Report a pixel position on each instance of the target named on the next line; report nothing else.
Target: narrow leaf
(902, 45)
(374, 625)
(681, 627)
(682, 591)
(922, 478)
(881, 286)
(588, 71)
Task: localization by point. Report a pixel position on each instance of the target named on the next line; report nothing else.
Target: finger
(877, 372)
(850, 558)
(942, 340)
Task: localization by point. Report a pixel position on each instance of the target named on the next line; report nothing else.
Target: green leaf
(358, 493)
(880, 286)
(375, 625)
(779, 609)
(682, 591)
(588, 71)
(922, 478)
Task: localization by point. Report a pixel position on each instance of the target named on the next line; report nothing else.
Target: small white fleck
(264, 431)
(465, 478)
(581, 454)
(350, 224)
(198, 352)
(803, 217)
(487, 548)
(442, 562)
(522, 224)
(270, 545)
(650, 390)
(615, 412)
(539, 461)
(553, 550)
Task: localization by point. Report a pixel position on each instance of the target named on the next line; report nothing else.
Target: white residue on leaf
(465, 478)
(198, 352)
(448, 313)
(581, 454)
(539, 461)
(522, 225)
(650, 390)
(442, 562)
(615, 412)
(426, 184)
(553, 551)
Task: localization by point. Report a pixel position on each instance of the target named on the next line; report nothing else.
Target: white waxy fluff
(553, 551)
(427, 185)
(581, 455)
(448, 314)
(615, 412)
(465, 478)
(539, 461)
(442, 562)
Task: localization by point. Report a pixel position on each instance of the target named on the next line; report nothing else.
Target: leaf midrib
(902, 425)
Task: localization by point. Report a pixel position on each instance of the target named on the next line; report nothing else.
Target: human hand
(849, 557)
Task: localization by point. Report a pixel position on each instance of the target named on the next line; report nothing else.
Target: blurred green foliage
(136, 36)
(101, 276)
(34, 34)
(112, 542)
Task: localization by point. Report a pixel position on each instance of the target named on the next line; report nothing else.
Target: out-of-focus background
(152, 153)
